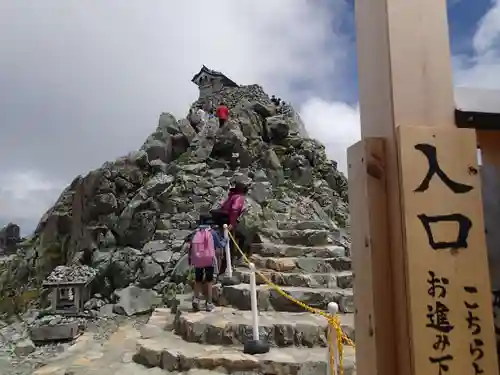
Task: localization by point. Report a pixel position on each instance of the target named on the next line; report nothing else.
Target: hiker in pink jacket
(229, 213)
(232, 207)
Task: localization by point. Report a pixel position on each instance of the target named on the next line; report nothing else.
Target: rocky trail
(90, 356)
(214, 340)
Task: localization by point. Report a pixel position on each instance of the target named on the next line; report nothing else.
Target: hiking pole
(256, 345)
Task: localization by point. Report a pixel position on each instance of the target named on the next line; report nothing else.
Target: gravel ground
(13, 334)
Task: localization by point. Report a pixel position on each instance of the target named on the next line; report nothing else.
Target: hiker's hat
(206, 219)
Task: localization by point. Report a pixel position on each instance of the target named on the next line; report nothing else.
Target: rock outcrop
(128, 219)
(9, 238)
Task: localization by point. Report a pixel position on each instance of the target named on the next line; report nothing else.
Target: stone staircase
(301, 259)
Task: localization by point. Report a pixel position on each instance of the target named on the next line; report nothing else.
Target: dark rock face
(10, 236)
(129, 218)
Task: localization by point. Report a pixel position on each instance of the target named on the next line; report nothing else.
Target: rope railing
(335, 336)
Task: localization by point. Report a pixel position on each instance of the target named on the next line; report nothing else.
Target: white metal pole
(229, 266)
(333, 309)
(253, 300)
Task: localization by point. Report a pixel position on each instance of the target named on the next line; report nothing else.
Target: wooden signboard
(449, 293)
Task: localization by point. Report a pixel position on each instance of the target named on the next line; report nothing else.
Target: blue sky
(83, 82)
(463, 19)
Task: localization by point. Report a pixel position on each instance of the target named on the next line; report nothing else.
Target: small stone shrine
(211, 82)
(69, 288)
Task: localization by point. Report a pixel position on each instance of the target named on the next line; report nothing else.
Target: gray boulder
(279, 127)
(24, 348)
(134, 300)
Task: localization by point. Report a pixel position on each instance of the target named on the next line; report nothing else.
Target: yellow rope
(333, 321)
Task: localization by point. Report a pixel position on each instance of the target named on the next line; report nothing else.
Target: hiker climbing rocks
(208, 107)
(232, 207)
(203, 115)
(229, 213)
(205, 245)
(203, 118)
(222, 114)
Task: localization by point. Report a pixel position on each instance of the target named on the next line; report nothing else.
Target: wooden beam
(477, 108)
(404, 65)
(374, 315)
(477, 120)
(490, 154)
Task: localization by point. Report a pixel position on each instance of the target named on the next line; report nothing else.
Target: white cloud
(487, 34)
(82, 82)
(24, 196)
(335, 124)
(482, 70)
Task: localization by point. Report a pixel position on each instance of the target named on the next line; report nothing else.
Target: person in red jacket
(222, 113)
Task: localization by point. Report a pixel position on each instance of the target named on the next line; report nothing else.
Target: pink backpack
(202, 248)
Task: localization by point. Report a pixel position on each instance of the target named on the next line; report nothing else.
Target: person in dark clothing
(222, 114)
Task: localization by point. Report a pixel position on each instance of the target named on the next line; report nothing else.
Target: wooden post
(490, 173)
(430, 252)
(370, 255)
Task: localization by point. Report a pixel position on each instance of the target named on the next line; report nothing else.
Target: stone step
(175, 234)
(227, 326)
(172, 353)
(238, 296)
(283, 225)
(342, 279)
(300, 264)
(306, 237)
(161, 319)
(270, 249)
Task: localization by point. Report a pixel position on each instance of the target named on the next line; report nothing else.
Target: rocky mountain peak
(128, 218)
